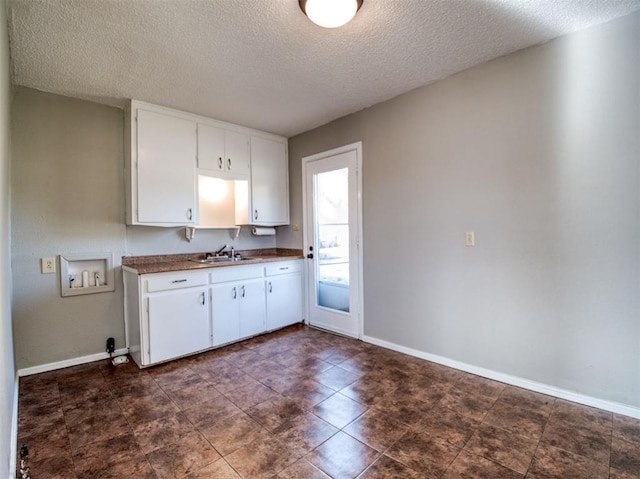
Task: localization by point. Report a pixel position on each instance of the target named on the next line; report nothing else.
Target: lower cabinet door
(252, 308)
(178, 324)
(225, 299)
(284, 300)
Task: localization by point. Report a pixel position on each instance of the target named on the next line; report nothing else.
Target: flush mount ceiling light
(330, 13)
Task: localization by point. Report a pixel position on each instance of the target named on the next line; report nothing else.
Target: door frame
(357, 147)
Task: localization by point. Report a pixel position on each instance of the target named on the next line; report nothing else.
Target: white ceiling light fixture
(330, 13)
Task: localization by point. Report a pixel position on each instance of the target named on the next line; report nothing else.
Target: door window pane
(332, 238)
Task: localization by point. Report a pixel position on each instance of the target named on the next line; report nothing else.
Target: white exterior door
(332, 233)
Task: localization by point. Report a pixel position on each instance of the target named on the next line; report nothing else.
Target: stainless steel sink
(221, 259)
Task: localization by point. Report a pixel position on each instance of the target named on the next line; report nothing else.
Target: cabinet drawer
(283, 268)
(235, 273)
(175, 281)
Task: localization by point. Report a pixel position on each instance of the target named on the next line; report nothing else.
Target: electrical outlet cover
(48, 265)
(469, 238)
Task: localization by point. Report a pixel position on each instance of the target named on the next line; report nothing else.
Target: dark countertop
(182, 262)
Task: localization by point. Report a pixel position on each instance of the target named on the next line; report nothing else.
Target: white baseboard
(14, 433)
(611, 406)
(68, 362)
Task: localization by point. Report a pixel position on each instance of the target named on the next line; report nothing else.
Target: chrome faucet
(233, 254)
(219, 252)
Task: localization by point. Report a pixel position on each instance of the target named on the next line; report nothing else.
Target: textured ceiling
(262, 63)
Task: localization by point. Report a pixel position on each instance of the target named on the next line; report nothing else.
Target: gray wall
(143, 240)
(7, 369)
(68, 197)
(538, 153)
(67, 180)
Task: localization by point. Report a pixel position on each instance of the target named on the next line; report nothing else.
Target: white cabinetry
(223, 153)
(169, 315)
(269, 184)
(166, 149)
(161, 167)
(238, 303)
(166, 315)
(284, 294)
(178, 323)
(252, 309)
(225, 313)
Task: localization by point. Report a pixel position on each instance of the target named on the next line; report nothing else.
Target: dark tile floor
(301, 403)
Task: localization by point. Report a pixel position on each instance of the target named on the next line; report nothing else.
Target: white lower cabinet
(225, 313)
(252, 309)
(284, 294)
(178, 323)
(238, 303)
(169, 315)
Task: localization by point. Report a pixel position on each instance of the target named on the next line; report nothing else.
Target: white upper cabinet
(211, 154)
(161, 163)
(165, 152)
(237, 149)
(269, 184)
(223, 153)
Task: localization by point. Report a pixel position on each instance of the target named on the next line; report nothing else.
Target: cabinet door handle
(229, 164)
(235, 293)
(270, 287)
(203, 299)
(220, 162)
(190, 214)
(255, 214)
(242, 288)
(179, 281)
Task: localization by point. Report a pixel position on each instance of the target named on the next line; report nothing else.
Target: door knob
(310, 256)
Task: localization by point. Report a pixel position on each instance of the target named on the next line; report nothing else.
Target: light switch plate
(469, 238)
(48, 265)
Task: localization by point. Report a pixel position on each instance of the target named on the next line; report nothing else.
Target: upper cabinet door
(269, 182)
(166, 165)
(223, 153)
(211, 154)
(237, 151)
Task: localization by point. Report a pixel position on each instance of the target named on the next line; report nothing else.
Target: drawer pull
(179, 281)
(284, 269)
